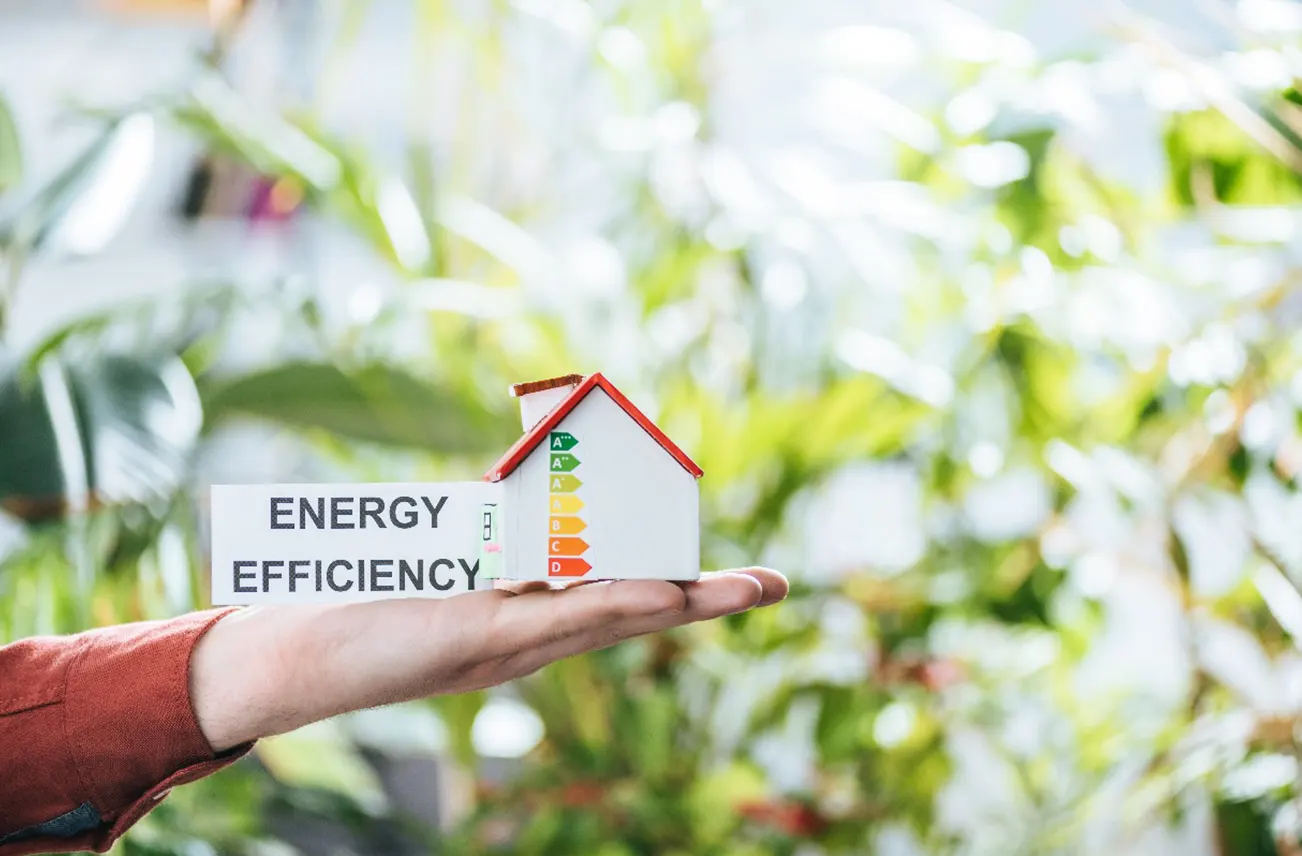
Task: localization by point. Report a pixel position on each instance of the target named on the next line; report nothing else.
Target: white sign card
(336, 543)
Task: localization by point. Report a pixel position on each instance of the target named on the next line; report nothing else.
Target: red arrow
(567, 546)
(567, 567)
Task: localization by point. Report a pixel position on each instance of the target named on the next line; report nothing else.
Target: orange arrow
(567, 567)
(567, 525)
(567, 546)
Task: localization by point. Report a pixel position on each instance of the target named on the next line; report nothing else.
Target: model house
(592, 490)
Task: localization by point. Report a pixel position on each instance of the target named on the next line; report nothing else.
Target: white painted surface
(641, 507)
(536, 405)
(242, 532)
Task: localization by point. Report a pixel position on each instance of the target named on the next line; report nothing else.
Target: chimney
(539, 397)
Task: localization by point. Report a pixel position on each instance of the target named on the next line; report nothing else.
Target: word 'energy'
(354, 512)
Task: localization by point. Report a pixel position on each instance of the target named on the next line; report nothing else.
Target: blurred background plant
(980, 317)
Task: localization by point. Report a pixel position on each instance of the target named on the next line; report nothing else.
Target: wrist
(233, 680)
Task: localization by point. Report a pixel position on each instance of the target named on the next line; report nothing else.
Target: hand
(267, 670)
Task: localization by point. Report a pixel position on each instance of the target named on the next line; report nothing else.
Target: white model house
(592, 490)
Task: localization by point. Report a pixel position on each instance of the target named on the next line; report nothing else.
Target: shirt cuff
(129, 721)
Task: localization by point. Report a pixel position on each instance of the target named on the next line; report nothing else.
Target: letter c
(330, 574)
(433, 578)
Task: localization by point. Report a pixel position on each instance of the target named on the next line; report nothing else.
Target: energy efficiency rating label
(565, 546)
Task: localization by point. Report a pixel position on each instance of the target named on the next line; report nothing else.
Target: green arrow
(565, 484)
(564, 463)
(562, 441)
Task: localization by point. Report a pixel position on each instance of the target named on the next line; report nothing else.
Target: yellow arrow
(567, 525)
(566, 504)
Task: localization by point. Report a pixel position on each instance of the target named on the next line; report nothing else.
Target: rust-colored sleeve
(95, 729)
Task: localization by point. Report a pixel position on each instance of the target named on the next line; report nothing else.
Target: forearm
(269, 670)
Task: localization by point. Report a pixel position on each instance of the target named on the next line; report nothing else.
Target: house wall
(642, 509)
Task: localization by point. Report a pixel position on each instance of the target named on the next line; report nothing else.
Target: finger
(526, 586)
(539, 618)
(521, 587)
(713, 596)
(576, 583)
(774, 584)
(721, 593)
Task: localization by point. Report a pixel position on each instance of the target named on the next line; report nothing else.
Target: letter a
(556, 443)
(556, 483)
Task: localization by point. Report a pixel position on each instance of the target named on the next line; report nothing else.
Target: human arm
(94, 729)
(270, 670)
(218, 681)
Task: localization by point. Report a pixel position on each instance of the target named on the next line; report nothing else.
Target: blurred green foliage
(11, 153)
(960, 699)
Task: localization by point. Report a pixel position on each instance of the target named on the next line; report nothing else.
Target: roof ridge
(522, 447)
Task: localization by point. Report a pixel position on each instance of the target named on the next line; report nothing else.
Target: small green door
(492, 559)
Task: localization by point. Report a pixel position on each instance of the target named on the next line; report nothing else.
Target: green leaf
(141, 419)
(269, 143)
(11, 153)
(375, 403)
(1208, 148)
(33, 222)
(337, 176)
(320, 756)
(1244, 829)
(123, 426)
(714, 796)
(30, 472)
(838, 730)
(199, 311)
(458, 714)
(1042, 371)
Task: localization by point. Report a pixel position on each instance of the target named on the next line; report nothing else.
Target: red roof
(521, 448)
